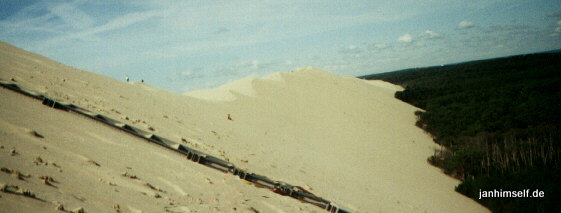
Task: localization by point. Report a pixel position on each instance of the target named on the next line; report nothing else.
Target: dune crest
(226, 92)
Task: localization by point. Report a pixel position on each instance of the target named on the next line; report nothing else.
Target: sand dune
(345, 139)
(227, 92)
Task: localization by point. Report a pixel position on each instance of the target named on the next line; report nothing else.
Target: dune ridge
(342, 138)
(226, 92)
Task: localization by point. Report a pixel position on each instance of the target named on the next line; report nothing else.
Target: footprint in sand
(177, 209)
(8, 188)
(131, 176)
(38, 160)
(36, 134)
(79, 210)
(15, 173)
(13, 152)
(88, 160)
(48, 180)
(208, 181)
(93, 162)
(60, 207)
(154, 188)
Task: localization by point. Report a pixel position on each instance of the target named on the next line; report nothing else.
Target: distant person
(142, 81)
(127, 77)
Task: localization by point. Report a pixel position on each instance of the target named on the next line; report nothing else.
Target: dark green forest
(498, 121)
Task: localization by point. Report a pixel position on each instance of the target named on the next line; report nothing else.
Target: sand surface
(344, 139)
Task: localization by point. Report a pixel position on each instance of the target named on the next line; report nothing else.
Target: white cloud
(557, 29)
(255, 64)
(190, 74)
(465, 25)
(186, 73)
(405, 38)
(263, 22)
(28, 21)
(379, 46)
(124, 21)
(288, 62)
(70, 14)
(429, 34)
(351, 49)
(90, 34)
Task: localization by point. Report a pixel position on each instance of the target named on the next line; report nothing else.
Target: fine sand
(344, 139)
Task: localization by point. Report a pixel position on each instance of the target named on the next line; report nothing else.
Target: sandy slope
(345, 139)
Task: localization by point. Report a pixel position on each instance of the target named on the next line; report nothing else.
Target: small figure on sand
(229, 118)
(127, 77)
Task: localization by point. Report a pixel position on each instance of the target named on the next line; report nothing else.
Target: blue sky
(187, 45)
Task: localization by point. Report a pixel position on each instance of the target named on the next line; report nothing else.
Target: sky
(182, 46)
